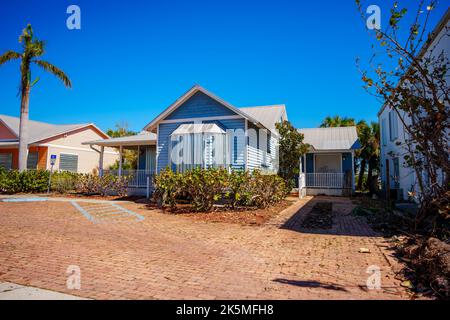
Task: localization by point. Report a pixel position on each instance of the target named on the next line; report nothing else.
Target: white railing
(136, 178)
(327, 180)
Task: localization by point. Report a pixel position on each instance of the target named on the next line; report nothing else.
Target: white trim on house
(201, 119)
(70, 148)
(69, 131)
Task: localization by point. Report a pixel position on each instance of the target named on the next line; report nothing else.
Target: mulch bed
(242, 216)
(320, 216)
(427, 265)
(426, 260)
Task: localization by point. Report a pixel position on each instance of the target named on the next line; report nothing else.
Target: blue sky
(131, 59)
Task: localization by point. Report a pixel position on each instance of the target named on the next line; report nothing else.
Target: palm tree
(369, 154)
(31, 49)
(337, 121)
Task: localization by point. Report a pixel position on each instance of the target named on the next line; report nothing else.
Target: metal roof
(143, 138)
(198, 128)
(339, 138)
(267, 115)
(40, 130)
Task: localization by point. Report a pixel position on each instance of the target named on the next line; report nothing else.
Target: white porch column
(100, 162)
(353, 171)
(120, 161)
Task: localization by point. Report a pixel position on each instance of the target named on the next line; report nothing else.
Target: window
(393, 125)
(68, 162)
(383, 131)
(268, 143)
(396, 173)
(6, 160)
(32, 160)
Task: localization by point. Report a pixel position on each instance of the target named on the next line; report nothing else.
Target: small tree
(412, 81)
(130, 157)
(291, 148)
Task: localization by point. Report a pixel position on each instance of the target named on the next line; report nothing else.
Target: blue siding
(198, 106)
(164, 132)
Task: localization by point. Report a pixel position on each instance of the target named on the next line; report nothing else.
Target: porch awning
(210, 128)
(144, 138)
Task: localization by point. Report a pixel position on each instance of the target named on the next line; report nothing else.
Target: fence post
(148, 187)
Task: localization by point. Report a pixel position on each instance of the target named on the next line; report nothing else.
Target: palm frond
(47, 66)
(8, 56)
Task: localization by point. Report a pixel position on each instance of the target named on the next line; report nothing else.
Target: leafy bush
(105, 185)
(64, 181)
(167, 187)
(27, 181)
(205, 187)
(238, 190)
(266, 190)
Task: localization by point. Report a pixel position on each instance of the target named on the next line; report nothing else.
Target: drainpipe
(100, 162)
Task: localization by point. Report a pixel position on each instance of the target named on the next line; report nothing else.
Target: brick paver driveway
(168, 257)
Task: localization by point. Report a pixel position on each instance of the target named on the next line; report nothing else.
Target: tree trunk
(370, 176)
(362, 169)
(23, 130)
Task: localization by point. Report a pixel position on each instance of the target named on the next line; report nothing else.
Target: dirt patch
(242, 216)
(427, 265)
(320, 216)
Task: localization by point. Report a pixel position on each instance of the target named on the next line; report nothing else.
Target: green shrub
(238, 190)
(205, 187)
(266, 189)
(167, 186)
(64, 182)
(14, 181)
(105, 185)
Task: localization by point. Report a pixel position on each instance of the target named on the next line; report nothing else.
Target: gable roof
(39, 131)
(336, 138)
(267, 115)
(196, 88)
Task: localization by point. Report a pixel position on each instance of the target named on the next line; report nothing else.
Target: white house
(402, 178)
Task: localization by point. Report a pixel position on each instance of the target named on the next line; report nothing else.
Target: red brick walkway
(168, 257)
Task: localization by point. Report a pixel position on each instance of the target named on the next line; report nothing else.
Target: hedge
(206, 187)
(36, 181)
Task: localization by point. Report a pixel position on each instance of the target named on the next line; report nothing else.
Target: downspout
(100, 168)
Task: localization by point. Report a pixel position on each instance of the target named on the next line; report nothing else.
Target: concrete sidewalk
(12, 291)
